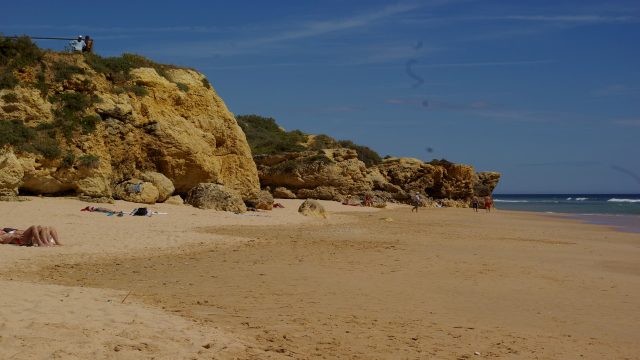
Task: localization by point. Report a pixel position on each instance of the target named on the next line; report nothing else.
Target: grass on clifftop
(117, 68)
(266, 137)
(16, 53)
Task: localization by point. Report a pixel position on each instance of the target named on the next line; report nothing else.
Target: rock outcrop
(262, 201)
(216, 197)
(313, 208)
(169, 129)
(485, 182)
(11, 174)
(334, 174)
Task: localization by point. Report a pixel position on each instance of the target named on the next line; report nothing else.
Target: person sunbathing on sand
(35, 235)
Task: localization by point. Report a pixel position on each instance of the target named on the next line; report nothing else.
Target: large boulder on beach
(313, 208)
(162, 183)
(261, 201)
(216, 197)
(138, 191)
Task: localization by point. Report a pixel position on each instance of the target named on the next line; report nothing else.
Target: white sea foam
(581, 199)
(510, 201)
(624, 200)
(569, 198)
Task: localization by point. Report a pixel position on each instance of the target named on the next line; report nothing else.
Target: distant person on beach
(474, 203)
(488, 202)
(35, 235)
(368, 201)
(417, 202)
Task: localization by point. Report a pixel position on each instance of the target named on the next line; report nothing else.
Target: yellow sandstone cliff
(171, 123)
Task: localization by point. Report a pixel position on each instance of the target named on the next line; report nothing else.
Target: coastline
(364, 283)
(618, 211)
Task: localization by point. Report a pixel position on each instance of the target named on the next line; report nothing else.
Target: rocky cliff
(128, 128)
(81, 124)
(335, 174)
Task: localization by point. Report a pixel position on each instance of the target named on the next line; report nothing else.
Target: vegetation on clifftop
(23, 63)
(265, 137)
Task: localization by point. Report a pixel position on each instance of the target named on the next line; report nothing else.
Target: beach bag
(140, 212)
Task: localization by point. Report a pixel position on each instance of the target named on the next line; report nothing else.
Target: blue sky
(545, 92)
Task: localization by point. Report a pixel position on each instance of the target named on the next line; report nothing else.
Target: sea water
(618, 210)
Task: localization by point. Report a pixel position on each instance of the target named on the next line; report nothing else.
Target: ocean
(621, 211)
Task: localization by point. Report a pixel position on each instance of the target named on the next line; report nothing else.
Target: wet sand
(364, 284)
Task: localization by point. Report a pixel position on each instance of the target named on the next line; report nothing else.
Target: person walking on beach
(417, 202)
(474, 203)
(488, 202)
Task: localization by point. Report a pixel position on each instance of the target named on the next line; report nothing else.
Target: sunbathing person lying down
(35, 235)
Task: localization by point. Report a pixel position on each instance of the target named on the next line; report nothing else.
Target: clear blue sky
(545, 92)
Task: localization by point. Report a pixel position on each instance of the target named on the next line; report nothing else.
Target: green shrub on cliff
(16, 53)
(117, 68)
(68, 116)
(10, 98)
(15, 133)
(323, 141)
(24, 138)
(19, 52)
(89, 161)
(8, 80)
(441, 162)
(64, 71)
(266, 137)
(365, 154)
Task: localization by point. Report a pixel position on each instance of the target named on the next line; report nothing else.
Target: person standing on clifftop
(417, 202)
(78, 44)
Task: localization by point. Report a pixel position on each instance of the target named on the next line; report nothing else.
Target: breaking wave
(624, 200)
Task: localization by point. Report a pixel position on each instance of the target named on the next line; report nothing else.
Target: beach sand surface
(362, 284)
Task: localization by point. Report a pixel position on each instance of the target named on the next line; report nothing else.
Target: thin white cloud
(572, 18)
(616, 90)
(317, 28)
(486, 63)
(628, 122)
(306, 30)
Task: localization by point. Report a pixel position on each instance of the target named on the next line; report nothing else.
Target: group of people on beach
(416, 201)
(488, 203)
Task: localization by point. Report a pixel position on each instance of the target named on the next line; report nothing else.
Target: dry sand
(363, 284)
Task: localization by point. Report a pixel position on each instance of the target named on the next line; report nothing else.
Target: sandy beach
(363, 284)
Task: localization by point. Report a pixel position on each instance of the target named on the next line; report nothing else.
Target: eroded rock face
(283, 193)
(337, 173)
(327, 175)
(185, 133)
(216, 197)
(11, 174)
(485, 182)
